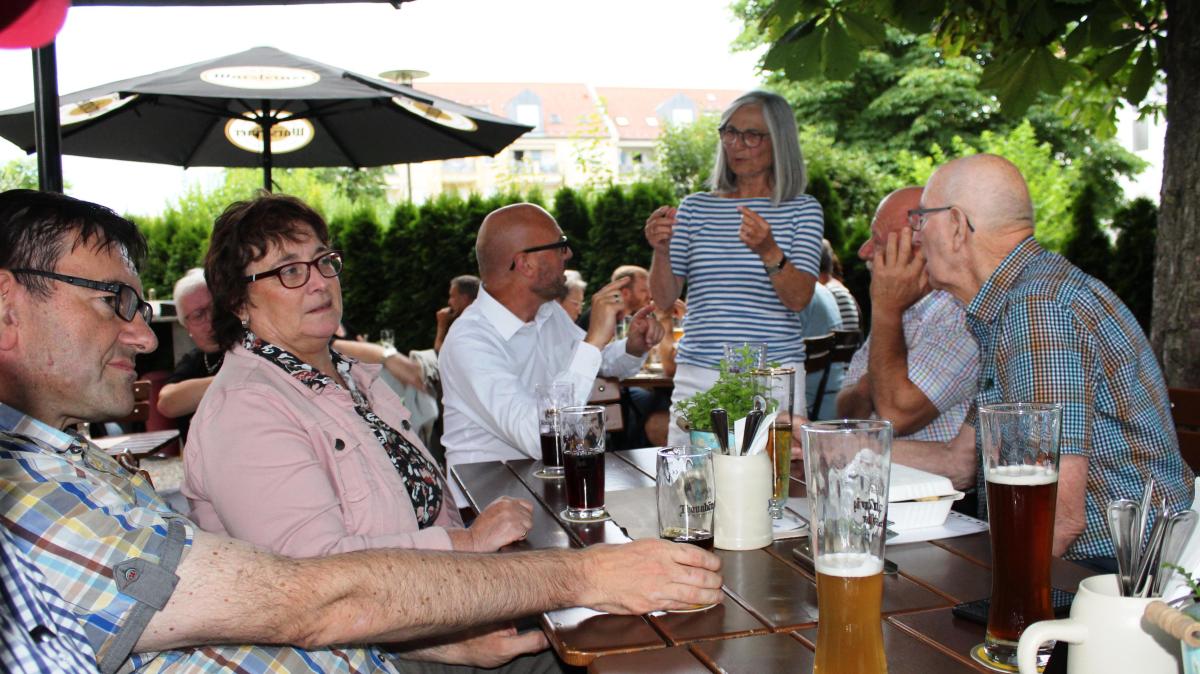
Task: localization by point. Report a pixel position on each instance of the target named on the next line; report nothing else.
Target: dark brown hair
(242, 235)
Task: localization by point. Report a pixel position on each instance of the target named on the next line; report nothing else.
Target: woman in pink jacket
(296, 447)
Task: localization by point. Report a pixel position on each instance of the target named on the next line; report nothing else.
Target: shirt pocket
(352, 472)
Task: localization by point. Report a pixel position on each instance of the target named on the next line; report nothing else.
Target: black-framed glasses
(561, 245)
(749, 138)
(296, 274)
(125, 301)
(919, 217)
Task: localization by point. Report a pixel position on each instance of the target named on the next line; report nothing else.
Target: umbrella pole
(265, 123)
(46, 132)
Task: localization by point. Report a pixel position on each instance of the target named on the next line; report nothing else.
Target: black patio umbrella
(216, 113)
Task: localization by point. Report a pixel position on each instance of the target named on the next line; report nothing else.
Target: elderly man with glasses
(1047, 333)
(918, 366)
(516, 336)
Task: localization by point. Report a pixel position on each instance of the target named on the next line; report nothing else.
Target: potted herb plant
(734, 391)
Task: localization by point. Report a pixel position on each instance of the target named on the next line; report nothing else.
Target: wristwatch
(773, 269)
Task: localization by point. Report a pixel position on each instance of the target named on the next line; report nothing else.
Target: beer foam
(849, 564)
(1022, 476)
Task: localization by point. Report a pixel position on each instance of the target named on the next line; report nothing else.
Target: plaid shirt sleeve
(943, 359)
(82, 519)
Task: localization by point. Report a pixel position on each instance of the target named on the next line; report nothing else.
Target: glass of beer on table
(686, 491)
(777, 385)
(583, 429)
(1020, 466)
(847, 467)
(551, 398)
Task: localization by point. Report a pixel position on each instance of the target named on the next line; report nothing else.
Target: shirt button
(339, 444)
(40, 634)
(131, 575)
(406, 425)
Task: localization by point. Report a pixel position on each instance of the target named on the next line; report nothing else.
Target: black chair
(818, 357)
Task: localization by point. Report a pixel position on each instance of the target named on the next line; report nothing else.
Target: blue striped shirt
(730, 297)
(1050, 333)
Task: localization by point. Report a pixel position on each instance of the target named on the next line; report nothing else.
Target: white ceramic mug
(743, 519)
(1107, 633)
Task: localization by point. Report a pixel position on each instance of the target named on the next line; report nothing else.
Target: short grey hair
(191, 280)
(575, 280)
(788, 174)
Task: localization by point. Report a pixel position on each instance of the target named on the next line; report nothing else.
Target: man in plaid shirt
(154, 593)
(917, 368)
(1047, 333)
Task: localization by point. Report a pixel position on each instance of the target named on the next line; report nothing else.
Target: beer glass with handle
(847, 468)
(1020, 467)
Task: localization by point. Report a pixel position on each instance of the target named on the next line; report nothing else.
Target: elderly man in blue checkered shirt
(1047, 333)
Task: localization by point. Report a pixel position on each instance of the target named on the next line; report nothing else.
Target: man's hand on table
(506, 520)
(649, 575)
(487, 648)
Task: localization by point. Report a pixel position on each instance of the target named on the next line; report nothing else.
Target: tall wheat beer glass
(847, 466)
(1020, 465)
(777, 385)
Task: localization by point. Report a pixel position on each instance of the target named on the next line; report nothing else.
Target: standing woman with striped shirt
(748, 250)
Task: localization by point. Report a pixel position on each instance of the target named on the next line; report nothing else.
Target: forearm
(894, 396)
(229, 592)
(854, 401)
(1070, 507)
(793, 287)
(955, 459)
(665, 286)
(365, 352)
(182, 398)
(440, 337)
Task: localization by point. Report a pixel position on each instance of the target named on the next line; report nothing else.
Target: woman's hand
(659, 227)
(755, 232)
(505, 520)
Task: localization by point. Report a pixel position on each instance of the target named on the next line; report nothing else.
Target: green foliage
(686, 153)
(1088, 248)
(1132, 268)
(571, 211)
(359, 237)
(19, 174)
(616, 234)
(733, 391)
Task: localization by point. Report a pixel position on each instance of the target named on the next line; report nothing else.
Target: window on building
(683, 116)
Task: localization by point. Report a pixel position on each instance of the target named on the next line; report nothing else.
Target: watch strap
(776, 268)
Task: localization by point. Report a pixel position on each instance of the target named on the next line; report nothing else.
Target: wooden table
(767, 619)
(649, 380)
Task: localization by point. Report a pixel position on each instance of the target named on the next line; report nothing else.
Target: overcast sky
(648, 43)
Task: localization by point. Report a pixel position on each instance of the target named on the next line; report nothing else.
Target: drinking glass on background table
(551, 398)
(387, 338)
(686, 494)
(583, 461)
(1020, 466)
(778, 385)
(738, 353)
(623, 327)
(847, 467)
(677, 327)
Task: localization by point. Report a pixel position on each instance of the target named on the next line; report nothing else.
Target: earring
(246, 322)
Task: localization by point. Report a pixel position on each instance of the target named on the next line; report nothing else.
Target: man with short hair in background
(180, 396)
(463, 291)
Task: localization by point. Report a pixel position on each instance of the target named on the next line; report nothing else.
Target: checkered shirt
(1049, 333)
(79, 517)
(943, 361)
(38, 631)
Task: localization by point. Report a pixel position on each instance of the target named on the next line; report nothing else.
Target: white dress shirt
(490, 363)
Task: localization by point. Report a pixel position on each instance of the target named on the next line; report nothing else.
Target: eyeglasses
(750, 139)
(561, 245)
(203, 314)
(125, 301)
(918, 217)
(296, 274)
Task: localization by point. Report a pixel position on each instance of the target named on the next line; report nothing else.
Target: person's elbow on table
(649, 575)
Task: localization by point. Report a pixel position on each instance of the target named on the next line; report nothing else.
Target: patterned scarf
(419, 474)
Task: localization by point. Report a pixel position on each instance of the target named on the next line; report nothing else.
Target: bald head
(507, 231)
(988, 188)
(890, 216)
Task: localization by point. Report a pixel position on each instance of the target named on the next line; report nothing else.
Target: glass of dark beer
(583, 429)
(1020, 465)
(847, 467)
(686, 493)
(551, 398)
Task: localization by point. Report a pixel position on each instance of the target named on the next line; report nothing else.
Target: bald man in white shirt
(516, 336)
